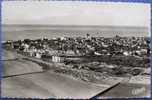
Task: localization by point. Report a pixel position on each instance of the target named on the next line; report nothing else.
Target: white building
(38, 55)
(57, 59)
(126, 53)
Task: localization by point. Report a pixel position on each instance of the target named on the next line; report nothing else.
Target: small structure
(126, 53)
(70, 52)
(96, 53)
(57, 59)
(38, 55)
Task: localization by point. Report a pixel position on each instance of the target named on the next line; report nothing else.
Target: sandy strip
(47, 85)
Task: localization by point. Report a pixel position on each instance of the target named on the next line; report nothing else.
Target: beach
(27, 83)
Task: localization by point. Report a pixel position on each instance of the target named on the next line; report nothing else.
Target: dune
(25, 81)
(20, 67)
(48, 85)
(13, 64)
(8, 55)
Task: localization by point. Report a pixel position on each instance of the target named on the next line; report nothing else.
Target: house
(70, 52)
(38, 55)
(126, 53)
(57, 59)
(62, 38)
(144, 51)
(96, 53)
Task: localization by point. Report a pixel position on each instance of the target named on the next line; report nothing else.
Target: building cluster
(81, 46)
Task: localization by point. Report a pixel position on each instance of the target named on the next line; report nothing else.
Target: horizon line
(75, 25)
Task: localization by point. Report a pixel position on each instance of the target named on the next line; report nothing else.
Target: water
(20, 32)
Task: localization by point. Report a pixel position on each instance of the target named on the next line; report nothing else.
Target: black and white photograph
(75, 49)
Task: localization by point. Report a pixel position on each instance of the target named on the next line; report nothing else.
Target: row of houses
(82, 46)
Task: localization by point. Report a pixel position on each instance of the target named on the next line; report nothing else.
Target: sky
(75, 13)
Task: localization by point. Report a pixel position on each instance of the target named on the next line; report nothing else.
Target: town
(79, 52)
(81, 46)
(75, 50)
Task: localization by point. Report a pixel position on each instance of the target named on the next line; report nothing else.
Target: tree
(27, 41)
(88, 35)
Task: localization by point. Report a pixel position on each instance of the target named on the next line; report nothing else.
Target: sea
(21, 32)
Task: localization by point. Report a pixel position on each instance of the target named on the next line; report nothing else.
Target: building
(57, 59)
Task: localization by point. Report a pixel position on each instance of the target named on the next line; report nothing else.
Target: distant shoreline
(17, 32)
(51, 25)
